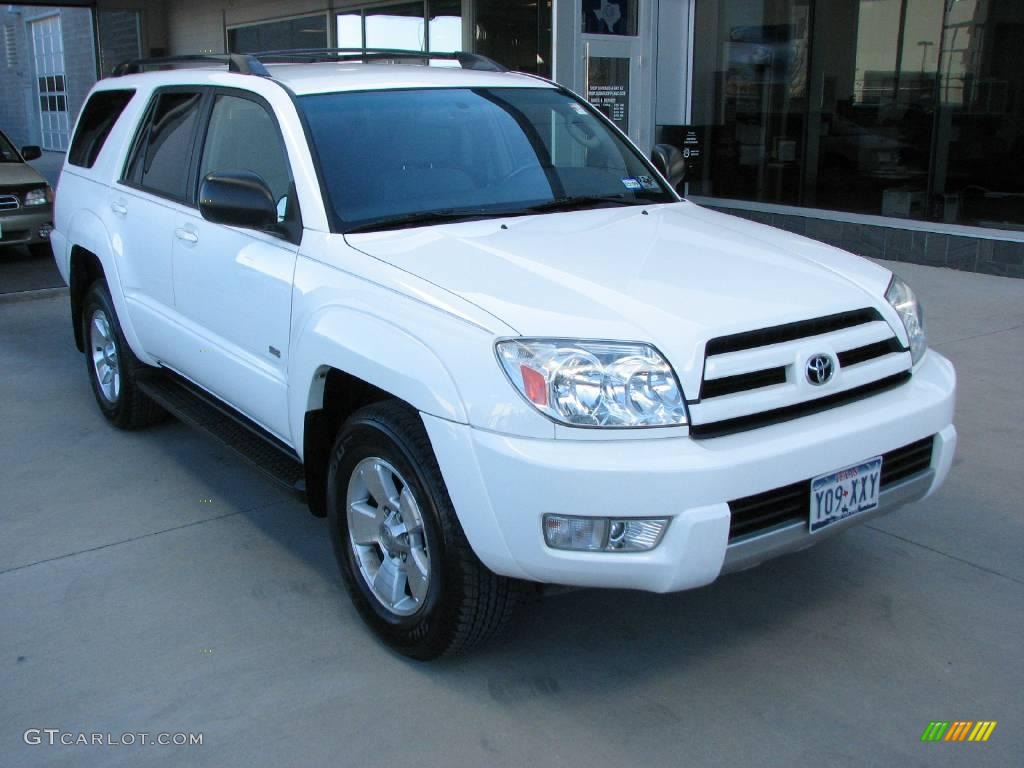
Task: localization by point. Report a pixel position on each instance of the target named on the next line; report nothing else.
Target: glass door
(611, 45)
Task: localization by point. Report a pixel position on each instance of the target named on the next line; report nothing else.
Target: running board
(201, 410)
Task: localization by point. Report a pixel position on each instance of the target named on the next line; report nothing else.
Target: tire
(112, 366)
(448, 601)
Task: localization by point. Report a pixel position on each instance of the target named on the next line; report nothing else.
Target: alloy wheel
(104, 356)
(385, 527)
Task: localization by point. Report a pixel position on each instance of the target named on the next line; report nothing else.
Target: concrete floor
(21, 271)
(153, 582)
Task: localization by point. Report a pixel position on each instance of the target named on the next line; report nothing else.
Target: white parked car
(476, 327)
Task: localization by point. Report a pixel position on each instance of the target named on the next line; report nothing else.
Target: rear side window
(98, 118)
(163, 152)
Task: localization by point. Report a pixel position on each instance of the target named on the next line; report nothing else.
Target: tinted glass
(516, 33)
(8, 154)
(287, 34)
(95, 124)
(243, 137)
(390, 153)
(905, 108)
(162, 163)
(608, 17)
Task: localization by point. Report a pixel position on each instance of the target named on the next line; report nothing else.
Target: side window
(163, 153)
(243, 136)
(98, 118)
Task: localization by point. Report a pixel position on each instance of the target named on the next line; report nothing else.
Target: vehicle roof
(329, 77)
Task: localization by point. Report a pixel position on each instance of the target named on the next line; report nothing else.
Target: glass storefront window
(396, 26)
(516, 33)
(609, 17)
(445, 24)
(284, 34)
(435, 25)
(905, 108)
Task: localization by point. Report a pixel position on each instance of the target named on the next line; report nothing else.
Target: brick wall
(19, 110)
(15, 77)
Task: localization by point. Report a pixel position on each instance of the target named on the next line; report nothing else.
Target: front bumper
(502, 486)
(26, 226)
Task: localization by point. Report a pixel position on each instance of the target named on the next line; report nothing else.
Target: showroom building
(892, 128)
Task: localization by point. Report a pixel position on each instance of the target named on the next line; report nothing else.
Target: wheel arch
(378, 360)
(91, 257)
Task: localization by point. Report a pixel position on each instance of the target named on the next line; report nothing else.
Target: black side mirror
(31, 152)
(671, 163)
(239, 199)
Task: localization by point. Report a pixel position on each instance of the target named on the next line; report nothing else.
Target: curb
(41, 293)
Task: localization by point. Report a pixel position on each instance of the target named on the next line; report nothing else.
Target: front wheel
(402, 552)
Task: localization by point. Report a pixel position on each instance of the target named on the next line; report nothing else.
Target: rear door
(146, 203)
(233, 286)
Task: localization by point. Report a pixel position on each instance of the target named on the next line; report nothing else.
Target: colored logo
(958, 730)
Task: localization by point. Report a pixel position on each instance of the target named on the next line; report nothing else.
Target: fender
(87, 230)
(375, 350)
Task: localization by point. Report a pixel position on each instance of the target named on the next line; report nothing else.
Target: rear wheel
(113, 368)
(401, 550)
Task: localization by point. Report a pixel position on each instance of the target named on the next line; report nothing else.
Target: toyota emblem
(820, 369)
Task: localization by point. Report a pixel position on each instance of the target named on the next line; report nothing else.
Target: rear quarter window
(98, 118)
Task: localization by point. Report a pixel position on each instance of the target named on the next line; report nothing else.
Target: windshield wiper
(420, 218)
(424, 218)
(583, 201)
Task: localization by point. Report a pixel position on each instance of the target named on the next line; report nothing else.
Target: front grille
(868, 352)
(743, 382)
(9, 203)
(759, 377)
(790, 503)
(806, 408)
(907, 461)
(790, 331)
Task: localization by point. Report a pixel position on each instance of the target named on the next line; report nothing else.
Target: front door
(612, 45)
(233, 286)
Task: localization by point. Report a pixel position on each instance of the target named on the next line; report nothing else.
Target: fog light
(636, 535)
(598, 534)
(581, 533)
(45, 230)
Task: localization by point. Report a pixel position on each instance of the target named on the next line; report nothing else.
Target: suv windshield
(8, 154)
(407, 157)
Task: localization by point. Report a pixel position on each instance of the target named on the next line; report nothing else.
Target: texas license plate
(839, 495)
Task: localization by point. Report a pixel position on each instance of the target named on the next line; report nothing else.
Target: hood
(19, 175)
(673, 275)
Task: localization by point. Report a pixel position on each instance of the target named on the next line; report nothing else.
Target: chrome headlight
(595, 383)
(39, 196)
(909, 309)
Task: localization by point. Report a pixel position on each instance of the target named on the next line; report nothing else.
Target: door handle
(186, 235)
(119, 208)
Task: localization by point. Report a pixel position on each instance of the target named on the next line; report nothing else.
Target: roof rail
(466, 60)
(243, 64)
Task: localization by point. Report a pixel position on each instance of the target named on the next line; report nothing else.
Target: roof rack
(253, 63)
(466, 60)
(243, 64)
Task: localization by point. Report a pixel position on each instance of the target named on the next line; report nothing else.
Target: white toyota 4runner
(477, 328)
